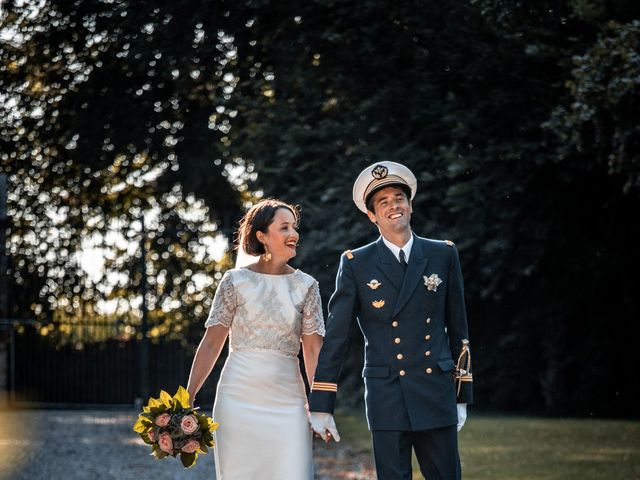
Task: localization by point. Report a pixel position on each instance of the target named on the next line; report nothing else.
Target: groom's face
(391, 211)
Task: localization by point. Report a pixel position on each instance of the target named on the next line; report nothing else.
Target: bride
(267, 309)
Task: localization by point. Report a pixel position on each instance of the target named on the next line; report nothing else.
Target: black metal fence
(95, 365)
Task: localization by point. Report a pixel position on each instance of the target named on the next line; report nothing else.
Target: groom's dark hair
(258, 219)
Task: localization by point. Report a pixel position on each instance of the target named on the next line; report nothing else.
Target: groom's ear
(372, 217)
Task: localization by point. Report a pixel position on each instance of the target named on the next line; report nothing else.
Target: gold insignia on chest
(378, 303)
(373, 284)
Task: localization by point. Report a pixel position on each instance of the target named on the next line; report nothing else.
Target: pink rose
(163, 419)
(151, 436)
(191, 446)
(189, 424)
(165, 443)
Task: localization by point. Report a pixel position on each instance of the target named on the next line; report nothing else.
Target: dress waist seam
(263, 349)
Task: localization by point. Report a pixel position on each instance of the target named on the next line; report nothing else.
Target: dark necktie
(403, 260)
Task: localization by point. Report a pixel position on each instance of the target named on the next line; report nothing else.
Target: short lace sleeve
(224, 304)
(312, 319)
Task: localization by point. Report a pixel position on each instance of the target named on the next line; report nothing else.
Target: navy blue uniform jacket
(413, 335)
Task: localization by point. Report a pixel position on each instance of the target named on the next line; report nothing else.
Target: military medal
(378, 303)
(373, 284)
(432, 282)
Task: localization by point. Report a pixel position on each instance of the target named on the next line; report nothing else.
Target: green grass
(525, 448)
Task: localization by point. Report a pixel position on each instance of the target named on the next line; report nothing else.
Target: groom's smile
(391, 211)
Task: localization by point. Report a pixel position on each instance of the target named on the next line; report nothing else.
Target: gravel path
(89, 444)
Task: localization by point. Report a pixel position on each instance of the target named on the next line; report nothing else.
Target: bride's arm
(311, 345)
(206, 356)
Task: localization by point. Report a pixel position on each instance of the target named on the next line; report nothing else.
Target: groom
(407, 295)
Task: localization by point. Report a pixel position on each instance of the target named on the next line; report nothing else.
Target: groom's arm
(342, 309)
(456, 317)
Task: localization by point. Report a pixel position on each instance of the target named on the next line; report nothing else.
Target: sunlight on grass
(521, 448)
(524, 448)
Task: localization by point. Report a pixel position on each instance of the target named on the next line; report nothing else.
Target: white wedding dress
(260, 403)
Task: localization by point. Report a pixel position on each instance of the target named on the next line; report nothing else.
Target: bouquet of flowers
(174, 428)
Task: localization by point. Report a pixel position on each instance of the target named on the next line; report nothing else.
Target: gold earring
(266, 256)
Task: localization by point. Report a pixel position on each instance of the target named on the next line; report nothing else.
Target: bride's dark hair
(258, 219)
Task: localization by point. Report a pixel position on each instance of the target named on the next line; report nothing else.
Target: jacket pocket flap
(375, 372)
(446, 365)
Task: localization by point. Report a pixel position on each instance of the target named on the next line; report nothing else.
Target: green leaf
(145, 438)
(156, 452)
(188, 459)
(157, 410)
(207, 438)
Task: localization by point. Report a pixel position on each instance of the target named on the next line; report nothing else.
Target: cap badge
(378, 303)
(373, 284)
(432, 282)
(379, 172)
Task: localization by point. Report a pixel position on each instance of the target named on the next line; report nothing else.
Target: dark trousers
(436, 451)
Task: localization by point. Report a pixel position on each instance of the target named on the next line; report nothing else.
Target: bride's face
(282, 237)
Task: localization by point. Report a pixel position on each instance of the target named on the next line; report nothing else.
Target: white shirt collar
(396, 249)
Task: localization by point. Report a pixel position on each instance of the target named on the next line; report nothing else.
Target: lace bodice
(267, 312)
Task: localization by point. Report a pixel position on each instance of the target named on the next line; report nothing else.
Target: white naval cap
(380, 175)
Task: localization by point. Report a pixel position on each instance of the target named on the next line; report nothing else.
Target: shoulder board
(449, 242)
(348, 254)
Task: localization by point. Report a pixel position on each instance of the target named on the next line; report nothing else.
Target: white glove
(462, 415)
(324, 425)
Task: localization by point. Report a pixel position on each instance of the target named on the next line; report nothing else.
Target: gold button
(427, 337)
(402, 373)
(429, 320)
(427, 353)
(397, 340)
(429, 370)
(394, 323)
(399, 356)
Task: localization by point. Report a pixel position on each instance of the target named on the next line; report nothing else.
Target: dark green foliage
(106, 119)
(519, 119)
(471, 97)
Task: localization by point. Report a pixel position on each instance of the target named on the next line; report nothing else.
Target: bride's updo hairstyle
(258, 219)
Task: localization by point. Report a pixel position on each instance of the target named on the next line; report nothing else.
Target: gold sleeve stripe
(324, 387)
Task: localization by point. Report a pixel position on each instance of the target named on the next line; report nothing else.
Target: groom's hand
(324, 425)
(462, 415)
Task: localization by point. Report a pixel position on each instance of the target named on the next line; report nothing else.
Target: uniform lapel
(415, 269)
(389, 265)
